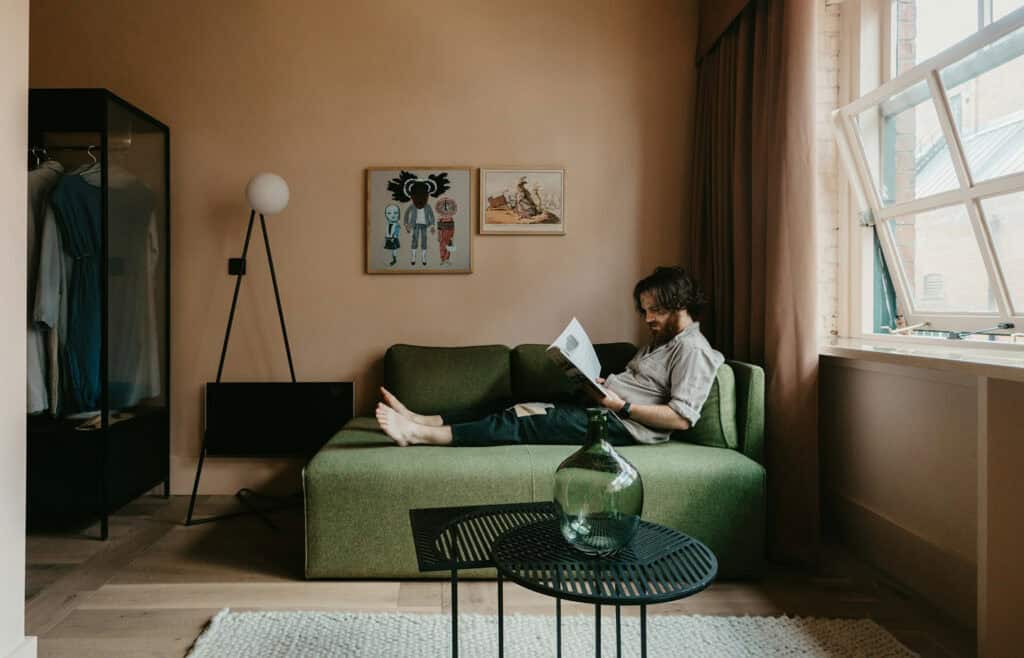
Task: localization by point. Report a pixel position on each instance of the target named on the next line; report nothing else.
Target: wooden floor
(150, 589)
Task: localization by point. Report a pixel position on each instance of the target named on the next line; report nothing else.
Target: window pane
(913, 158)
(940, 256)
(924, 28)
(1005, 218)
(986, 93)
(1001, 8)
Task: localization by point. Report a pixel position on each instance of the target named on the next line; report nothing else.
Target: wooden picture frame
(522, 201)
(393, 195)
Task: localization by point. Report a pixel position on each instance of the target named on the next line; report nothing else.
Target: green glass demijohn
(599, 494)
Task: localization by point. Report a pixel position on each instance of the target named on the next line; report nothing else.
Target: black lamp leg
(195, 487)
(220, 367)
(277, 295)
(234, 299)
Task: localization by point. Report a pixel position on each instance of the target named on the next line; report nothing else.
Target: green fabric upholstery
(750, 409)
(438, 380)
(359, 490)
(614, 356)
(716, 426)
(536, 378)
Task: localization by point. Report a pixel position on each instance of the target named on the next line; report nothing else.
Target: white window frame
(865, 51)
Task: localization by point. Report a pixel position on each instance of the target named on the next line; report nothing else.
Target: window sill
(998, 364)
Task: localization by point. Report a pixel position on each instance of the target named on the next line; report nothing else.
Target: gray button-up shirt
(678, 373)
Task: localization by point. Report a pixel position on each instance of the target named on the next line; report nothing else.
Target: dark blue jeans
(565, 423)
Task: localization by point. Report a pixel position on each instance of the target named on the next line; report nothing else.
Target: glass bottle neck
(597, 429)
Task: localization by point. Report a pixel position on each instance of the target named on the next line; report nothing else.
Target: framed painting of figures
(522, 201)
(419, 220)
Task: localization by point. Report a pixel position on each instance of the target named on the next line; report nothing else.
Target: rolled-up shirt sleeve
(690, 378)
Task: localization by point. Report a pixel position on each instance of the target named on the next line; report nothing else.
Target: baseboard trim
(944, 580)
(27, 648)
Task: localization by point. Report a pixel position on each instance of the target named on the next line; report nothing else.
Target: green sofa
(707, 481)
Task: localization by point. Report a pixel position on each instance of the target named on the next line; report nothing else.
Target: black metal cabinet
(99, 450)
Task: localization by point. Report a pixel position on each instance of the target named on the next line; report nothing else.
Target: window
(936, 155)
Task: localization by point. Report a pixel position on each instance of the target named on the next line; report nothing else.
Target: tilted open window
(936, 157)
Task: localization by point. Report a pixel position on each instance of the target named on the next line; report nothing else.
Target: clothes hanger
(40, 155)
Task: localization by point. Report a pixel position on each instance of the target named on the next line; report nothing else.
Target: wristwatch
(624, 411)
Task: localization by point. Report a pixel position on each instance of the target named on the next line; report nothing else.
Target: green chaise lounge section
(707, 481)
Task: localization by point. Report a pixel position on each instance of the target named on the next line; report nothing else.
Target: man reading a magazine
(662, 388)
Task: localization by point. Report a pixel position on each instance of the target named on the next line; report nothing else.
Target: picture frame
(431, 207)
(522, 201)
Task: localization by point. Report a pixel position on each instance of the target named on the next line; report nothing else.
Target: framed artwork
(522, 201)
(419, 219)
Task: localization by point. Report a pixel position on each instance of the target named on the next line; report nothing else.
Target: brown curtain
(752, 239)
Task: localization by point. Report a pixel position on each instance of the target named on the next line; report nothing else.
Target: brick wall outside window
(827, 180)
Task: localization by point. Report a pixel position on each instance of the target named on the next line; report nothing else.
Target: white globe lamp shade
(267, 193)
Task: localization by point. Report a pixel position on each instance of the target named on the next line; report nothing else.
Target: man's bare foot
(398, 427)
(393, 402)
(405, 432)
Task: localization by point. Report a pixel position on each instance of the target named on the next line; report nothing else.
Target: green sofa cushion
(439, 380)
(536, 378)
(717, 424)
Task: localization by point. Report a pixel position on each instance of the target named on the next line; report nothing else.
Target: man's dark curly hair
(674, 289)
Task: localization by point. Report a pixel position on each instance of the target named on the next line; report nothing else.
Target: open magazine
(575, 354)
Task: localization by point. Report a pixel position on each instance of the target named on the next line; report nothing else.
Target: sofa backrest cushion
(438, 380)
(716, 426)
(536, 378)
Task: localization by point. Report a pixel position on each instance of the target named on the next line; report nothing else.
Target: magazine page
(575, 353)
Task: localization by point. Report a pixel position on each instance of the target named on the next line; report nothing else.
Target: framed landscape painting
(522, 201)
(419, 220)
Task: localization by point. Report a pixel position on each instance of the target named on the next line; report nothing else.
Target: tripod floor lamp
(267, 195)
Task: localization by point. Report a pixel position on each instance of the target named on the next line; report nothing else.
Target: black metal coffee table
(659, 565)
(524, 542)
(453, 538)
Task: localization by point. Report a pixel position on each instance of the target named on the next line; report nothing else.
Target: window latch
(866, 217)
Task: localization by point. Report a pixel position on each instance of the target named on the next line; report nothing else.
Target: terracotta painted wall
(13, 142)
(317, 91)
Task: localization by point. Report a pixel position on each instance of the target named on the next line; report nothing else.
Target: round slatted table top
(659, 564)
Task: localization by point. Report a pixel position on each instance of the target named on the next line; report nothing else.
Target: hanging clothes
(133, 247)
(41, 182)
(51, 303)
(78, 214)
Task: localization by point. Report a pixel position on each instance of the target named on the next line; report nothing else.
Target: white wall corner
(27, 648)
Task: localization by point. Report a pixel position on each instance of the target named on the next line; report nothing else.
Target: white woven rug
(362, 635)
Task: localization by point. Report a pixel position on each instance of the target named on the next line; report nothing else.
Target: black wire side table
(658, 565)
(453, 538)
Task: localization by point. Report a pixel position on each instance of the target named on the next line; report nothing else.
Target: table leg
(455, 613)
(597, 630)
(558, 627)
(455, 591)
(643, 631)
(618, 632)
(501, 619)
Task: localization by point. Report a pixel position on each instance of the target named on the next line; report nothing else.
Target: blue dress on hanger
(78, 209)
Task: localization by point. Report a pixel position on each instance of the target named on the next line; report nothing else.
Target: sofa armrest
(750, 409)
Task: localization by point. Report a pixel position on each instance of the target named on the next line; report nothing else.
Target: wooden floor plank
(54, 602)
(343, 595)
(151, 589)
